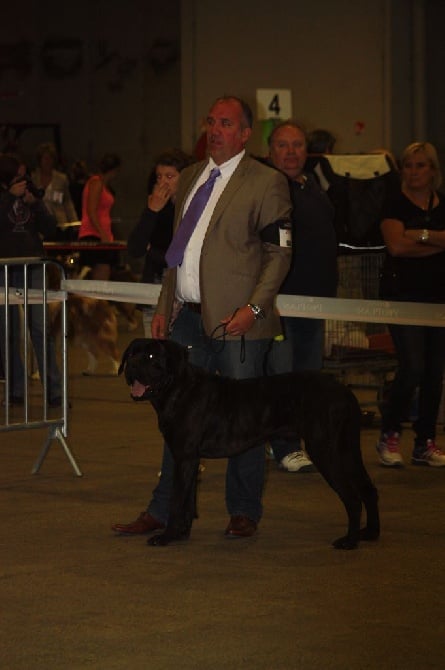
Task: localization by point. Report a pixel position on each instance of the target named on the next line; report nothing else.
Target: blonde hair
(431, 153)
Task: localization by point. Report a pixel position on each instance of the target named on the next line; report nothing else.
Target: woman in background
(97, 202)
(152, 235)
(413, 229)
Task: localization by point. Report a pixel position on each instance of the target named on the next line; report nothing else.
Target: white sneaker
(269, 452)
(297, 461)
(429, 455)
(388, 450)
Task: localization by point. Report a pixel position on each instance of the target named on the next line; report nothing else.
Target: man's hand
(239, 323)
(158, 327)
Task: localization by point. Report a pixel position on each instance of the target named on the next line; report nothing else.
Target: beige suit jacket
(236, 265)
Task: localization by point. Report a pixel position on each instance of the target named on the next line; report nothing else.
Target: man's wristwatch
(424, 235)
(257, 311)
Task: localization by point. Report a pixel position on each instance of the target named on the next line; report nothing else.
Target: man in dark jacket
(313, 269)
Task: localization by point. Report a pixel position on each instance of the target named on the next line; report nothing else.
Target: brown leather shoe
(145, 523)
(240, 526)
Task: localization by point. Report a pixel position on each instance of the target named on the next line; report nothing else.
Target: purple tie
(175, 253)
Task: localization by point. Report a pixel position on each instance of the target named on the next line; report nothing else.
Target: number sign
(273, 103)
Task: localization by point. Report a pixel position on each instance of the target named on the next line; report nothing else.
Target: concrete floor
(75, 596)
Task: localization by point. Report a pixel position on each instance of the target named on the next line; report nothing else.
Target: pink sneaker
(388, 450)
(428, 455)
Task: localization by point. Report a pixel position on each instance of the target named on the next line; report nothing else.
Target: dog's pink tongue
(137, 389)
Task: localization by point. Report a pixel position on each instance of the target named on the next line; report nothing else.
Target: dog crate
(361, 355)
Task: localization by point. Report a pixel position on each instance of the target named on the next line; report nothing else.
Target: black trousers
(421, 363)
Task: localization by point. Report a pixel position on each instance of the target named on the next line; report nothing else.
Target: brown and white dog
(92, 324)
(127, 309)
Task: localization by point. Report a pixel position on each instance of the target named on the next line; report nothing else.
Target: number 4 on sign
(273, 103)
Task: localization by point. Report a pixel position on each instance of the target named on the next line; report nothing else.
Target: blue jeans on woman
(245, 472)
(421, 364)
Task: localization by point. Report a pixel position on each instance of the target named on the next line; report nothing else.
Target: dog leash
(221, 339)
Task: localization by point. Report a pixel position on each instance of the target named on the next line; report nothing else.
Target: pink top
(106, 202)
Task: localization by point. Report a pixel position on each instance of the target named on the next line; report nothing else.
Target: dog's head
(150, 365)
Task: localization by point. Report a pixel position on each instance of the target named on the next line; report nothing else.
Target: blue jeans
(245, 472)
(35, 324)
(301, 349)
(421, 364)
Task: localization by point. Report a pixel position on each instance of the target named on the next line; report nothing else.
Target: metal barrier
(24, 282)
(23, 296)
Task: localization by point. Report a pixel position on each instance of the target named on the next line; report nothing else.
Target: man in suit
(227, 280)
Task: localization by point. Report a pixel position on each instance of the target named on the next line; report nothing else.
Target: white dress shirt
(187, 286)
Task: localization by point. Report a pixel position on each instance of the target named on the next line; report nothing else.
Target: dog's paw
(345, 542)
(163, 539)
(369, 534)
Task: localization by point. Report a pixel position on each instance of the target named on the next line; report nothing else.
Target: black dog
(205, 415)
